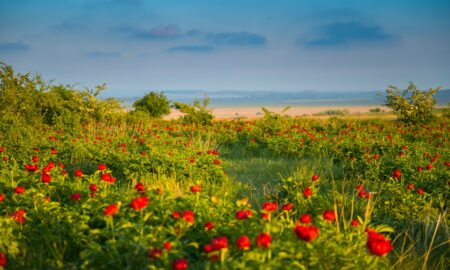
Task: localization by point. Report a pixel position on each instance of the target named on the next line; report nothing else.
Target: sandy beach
(256, 112)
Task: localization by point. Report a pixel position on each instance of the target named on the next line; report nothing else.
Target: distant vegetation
(344, 112)
(153, 104)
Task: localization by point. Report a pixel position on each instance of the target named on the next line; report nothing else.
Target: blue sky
(135, 45)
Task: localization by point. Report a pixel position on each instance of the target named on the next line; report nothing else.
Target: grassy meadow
(86, 186)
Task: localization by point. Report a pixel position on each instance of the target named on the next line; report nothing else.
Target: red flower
(263, 240)
(217, 162)
(19, 190)
(46, 178)
(175, 214)
(315, 177)
(93, 187)
(188, 215)
(31, 168)
(108, 178)
(355, 223)
(329, 215)
(2, 197)
(180, 264)
(447, 163)
(270, 206)
(54, 152)
(78, 173)
(154, 253)
(243, 214)
(419, 169)
(75, 197)
(410, 186)
(2, 149)
(208, 248)
(243, 242)
(429, 166)
(196, 188)
(139, 203)
(360, 187)
(101, 167)
(219, 243)
(111, 210)
(287, 207)
(362, 194)
(140, 187)
(3, 260)
(307, 192)
(19, 216)
(167, 246)
(306, 219)
(375, 156)
(377, 244)
(396, 173)
(209, 225)
(306, 233)
(420, 191)
(35, 159)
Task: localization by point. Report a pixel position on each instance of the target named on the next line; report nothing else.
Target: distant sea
(221, 99)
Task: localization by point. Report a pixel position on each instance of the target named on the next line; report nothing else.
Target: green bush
(197, 113)
(411, 105)
(154, 104)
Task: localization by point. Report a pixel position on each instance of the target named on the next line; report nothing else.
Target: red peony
(75, 197)
(217, 162)
(19, 190)
(139, 203)
(78, 173)
(377, 244)
(263, 240)
(19, 216)
(287, 207)
(270, 206)
(306, 219)
(111, 210)
(3, 260)
(140, 187)
(46, 178)
(243, 214)
(315, 177)
(410, 186)
(307, 192)
(189, 216)
(31, 168)
(101, 167)
(93, 187)
(396, 173)
(420, 191)
(243, 242)
(2, 197)
(219, 243)
(355, 223)
(209, 225)
(180, 264)
(329, 215)
(196, 188)
(306, 233)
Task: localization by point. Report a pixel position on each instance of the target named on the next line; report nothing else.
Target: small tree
(155, 104)
(197, 113)
(411, 105)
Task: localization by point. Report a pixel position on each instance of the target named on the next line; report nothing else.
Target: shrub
(154, 104)
(197, 113)
(411, 105)
(333, 113)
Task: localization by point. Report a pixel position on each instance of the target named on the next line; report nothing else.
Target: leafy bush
(411, 105)
(271, 121)
(154, 104)
(197, 113)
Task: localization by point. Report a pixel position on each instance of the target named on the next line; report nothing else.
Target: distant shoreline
(253, 112)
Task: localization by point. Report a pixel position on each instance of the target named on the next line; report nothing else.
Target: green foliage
(411, 105)
(154, 104)
(197, 113)
(271, 121)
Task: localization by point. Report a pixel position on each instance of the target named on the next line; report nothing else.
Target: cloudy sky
(139, 45)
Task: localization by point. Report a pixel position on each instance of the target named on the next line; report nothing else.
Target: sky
(135, 46)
